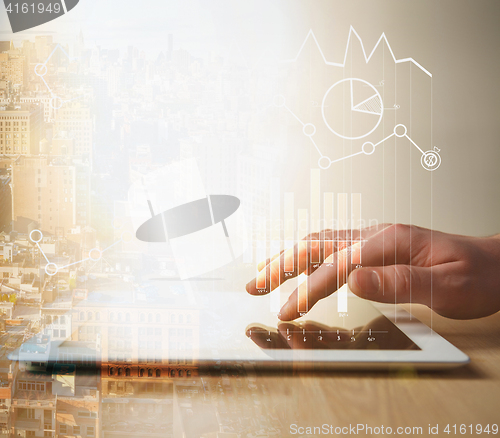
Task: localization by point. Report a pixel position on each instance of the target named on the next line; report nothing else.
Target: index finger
(300, 258)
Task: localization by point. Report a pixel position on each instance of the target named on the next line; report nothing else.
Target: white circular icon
(352, 108)
(430, 160)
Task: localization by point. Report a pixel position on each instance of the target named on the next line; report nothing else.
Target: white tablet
(237, 327)
(214, 322)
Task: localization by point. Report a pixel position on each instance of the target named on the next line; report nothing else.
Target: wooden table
(466, 395)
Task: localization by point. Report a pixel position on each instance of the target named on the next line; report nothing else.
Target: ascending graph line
(40, 249)
(56, 102)
(367, 57)
(95, 254)
(430, 159)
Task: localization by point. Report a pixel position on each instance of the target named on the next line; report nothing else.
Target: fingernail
(283, 310)
(367, 282)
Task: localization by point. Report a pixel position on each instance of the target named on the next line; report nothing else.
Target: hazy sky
(197, 26)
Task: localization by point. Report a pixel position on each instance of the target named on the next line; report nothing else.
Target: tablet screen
(378, 334)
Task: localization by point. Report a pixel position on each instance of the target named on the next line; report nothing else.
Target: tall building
(5, 200)
(53, 192)
(33, 98)
(21, 129)
(43, 47)
(75, 119)
(62, 144)
(13, 69)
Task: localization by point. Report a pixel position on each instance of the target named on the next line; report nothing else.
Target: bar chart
(300, 233)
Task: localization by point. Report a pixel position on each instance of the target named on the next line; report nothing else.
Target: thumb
(394, 284)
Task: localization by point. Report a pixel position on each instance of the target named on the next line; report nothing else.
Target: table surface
(465, 395)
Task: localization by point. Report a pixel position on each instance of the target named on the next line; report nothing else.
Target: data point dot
(40, 69)
(368, 148)
(324, 162)
(95, 254)
(400, 130)
(51, 269)
(279, 100)
(56, 102)
(36, 236)
(309, 129)
(126, 236)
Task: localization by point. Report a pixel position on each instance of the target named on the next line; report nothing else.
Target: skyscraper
(20, 129)
(74, 118)
(52, 192)
(13, 69)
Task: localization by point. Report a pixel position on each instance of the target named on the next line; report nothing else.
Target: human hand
(456, 276)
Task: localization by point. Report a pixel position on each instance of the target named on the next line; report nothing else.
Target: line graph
(430, 160)
(360, 103)
(41, 69)
(310, 34)
(95, 254)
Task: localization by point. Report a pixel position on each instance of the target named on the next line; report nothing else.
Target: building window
(127, 372)
(76, 430)
(90, 431)
(141, 372)
(111, 371)
(150, 373)
(87, 414)
(158, 373)
(63, 428)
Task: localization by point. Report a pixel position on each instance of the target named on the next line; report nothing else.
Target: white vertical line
(342, 224)
(328, 202)
(315, 210)
(302, 230)
(261, 249)
(64, 6)
(289, 228)
(355, 214)
(274, 234)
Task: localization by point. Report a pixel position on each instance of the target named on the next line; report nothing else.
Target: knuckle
(403, 278)
(399, 229)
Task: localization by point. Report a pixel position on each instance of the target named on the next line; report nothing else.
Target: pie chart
(352, 108)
